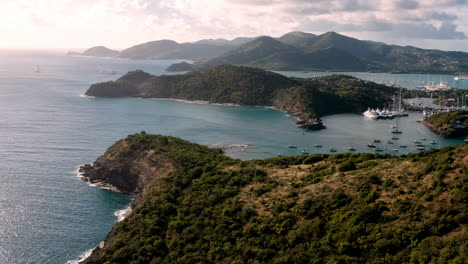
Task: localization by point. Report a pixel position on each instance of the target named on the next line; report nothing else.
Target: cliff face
(196, 205)
(130, 165)
(308, 99)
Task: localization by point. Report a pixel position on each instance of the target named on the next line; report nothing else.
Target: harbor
(355, 134)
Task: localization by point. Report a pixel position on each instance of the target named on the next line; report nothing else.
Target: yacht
(433, 142)
(371, 113)
(352, 149)
(421, 148)
(460, 78)
(318, 145)
(370, 145)
(395, 149)
(389, 142)
(395, 138)
(305, 152)
(332, 150)
(417, 142)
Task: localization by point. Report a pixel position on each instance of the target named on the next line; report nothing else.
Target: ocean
(47, 130)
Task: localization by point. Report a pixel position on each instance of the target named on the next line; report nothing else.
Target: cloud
(447, 30)
(406, 4)
(46, 22)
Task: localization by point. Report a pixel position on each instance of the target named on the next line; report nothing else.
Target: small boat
(421, 148)
(305, 152)
(423, 139)
(280, 155)
(370, 145)
(352, 149)
(389, 142)
(332, 150)
(378, 150)
(396, 131)
(318, 145)
(403, 146)
(395, 149)
(417, 142)
(292, 146)
(376, 140)
(395, 138)
(433, 142)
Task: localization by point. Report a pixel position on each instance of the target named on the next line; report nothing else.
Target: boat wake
(86, 96)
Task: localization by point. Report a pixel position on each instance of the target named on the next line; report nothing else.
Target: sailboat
(396, 131)
(38, 70)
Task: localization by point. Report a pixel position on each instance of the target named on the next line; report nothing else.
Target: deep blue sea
(48, 215)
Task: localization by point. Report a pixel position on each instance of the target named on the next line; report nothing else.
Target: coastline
(300, 123)
(97, 184)
(119, 214)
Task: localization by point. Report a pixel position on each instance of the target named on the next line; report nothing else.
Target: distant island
(307, 99)
(297, 51)
(99, 51)
(194, 205)
(451, 124)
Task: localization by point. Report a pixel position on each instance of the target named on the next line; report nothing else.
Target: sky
(440, 24)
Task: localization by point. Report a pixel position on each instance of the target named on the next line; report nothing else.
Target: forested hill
(450, 124)
(195, 205)
(308, 99)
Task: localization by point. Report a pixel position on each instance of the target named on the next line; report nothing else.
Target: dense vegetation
(335, 52)
(296, 51)
(308, 99)
(343, 208)
(449, 124)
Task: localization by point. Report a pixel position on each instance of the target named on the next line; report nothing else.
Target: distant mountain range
(297, 51)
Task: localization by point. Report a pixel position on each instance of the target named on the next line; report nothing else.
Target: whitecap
(122, 214)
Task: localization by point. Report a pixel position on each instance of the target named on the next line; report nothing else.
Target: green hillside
(334, 52)
(307, 99)
(194, 205)
(449, 124)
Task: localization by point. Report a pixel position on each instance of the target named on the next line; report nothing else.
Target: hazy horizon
(119, 24)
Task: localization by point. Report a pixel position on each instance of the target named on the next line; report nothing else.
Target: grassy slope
(344, 208)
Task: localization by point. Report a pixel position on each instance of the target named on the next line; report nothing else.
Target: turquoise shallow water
(47, 215)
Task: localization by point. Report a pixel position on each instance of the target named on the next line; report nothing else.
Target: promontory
(195, 205)
(307, 99)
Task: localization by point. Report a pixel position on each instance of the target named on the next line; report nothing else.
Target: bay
(47, 130)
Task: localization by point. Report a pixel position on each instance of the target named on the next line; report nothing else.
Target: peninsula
(307, 99)
(195, 205)
(450, 124)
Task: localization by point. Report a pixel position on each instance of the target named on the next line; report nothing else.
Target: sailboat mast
(399, 106)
